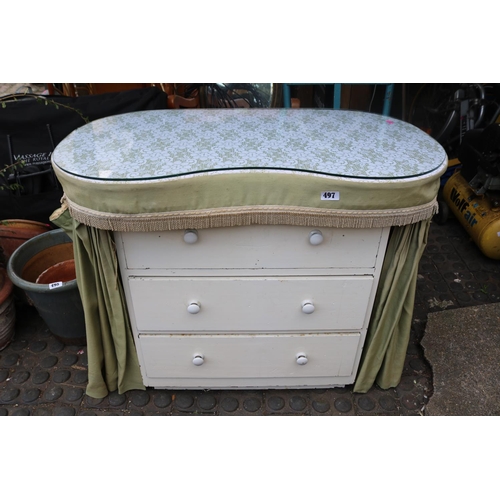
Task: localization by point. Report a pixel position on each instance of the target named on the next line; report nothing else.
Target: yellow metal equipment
(478, 214)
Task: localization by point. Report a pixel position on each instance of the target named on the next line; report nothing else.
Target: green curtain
(388, 334)
(112, 357)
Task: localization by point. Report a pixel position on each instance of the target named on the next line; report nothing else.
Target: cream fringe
(250, 215)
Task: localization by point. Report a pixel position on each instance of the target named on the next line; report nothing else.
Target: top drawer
(253, 247)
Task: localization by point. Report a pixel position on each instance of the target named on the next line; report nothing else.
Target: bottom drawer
(267, 360)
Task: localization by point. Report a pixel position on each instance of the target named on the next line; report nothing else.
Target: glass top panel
(168, 143)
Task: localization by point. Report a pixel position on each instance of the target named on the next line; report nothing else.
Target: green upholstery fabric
(389, 330)
(243, 188)
(112, 358)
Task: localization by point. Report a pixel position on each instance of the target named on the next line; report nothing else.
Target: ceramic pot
(58, 302)
(14, 232)
(7, 310)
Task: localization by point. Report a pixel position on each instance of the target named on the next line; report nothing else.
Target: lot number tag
(330, 196)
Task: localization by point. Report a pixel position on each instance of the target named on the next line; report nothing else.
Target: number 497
(330, 195)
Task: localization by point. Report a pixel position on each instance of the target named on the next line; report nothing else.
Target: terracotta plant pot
(61, 272)
(7, 310)
(14, 232)
(44, 259)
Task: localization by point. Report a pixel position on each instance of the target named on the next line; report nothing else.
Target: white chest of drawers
(250, 307)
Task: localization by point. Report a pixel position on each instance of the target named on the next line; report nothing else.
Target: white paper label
(57, 284)
(330, 196)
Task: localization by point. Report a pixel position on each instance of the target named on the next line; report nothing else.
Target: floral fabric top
(171, 143)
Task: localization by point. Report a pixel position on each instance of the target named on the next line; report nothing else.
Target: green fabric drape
(112, 357)
(389, 330)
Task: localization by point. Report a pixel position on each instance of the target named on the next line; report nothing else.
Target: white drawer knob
(194, 308)
(190, 236)
(307, 307)
(315, 237)
(301, 358)
(198, 359)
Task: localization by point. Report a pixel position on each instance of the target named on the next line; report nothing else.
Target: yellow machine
(476, 213)
(473, 192)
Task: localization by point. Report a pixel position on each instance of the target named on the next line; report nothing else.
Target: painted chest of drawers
(255, 306)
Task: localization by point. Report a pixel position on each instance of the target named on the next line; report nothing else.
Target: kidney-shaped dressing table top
(153, 162)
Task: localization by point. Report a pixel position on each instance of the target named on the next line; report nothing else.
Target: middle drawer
(250, 304)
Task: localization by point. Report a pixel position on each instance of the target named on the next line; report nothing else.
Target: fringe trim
(250, 215)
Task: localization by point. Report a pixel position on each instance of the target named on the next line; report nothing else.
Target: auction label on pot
(57, 284)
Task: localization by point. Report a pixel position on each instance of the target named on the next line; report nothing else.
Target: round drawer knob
(316, 237)
(194, 308)
(301, 358)
(307, 307)
(190, 236)
(198, 359)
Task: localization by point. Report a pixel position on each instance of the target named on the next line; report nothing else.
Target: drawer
(253, 247)
(250, 304)
(226, 357)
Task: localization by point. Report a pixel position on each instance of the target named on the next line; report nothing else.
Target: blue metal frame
(337, 94)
